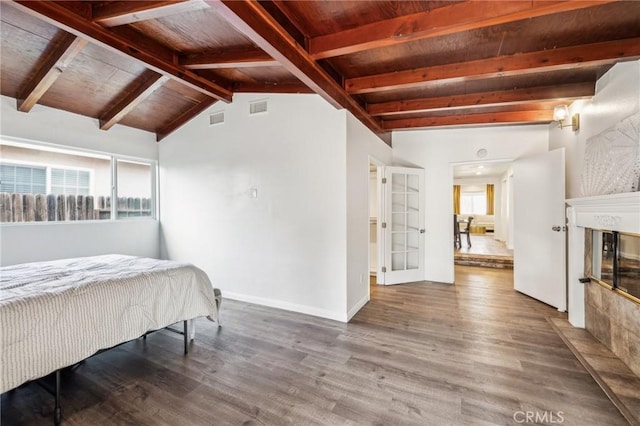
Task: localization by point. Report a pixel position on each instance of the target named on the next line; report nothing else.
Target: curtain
(490, 201)
(456, 199)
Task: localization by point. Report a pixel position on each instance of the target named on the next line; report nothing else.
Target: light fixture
(561, 112)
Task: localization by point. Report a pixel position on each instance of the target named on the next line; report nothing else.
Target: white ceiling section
(481, 169)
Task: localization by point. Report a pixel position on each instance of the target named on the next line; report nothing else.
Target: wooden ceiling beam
(258, 87)
(511, 117)
(115, 13)
(159, 59)
(265, 32)
(470, 100)
(148, 83)
(289, 22)
(184, 118)
(227, 58)
(562, 58)
(457, 17)
(59, 56)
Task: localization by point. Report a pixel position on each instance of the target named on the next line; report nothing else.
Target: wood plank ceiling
(154, 65)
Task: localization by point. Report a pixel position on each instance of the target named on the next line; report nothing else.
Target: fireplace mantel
(615, 212)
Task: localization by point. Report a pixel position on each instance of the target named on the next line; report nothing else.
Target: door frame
(379, 210)
(452, 166)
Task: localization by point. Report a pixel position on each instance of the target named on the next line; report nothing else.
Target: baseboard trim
(357, 307)
(287, 306)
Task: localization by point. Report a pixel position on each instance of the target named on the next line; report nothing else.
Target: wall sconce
(561, 112)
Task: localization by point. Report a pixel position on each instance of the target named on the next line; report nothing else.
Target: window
(66, 181)
(44, 184)
(473, 202)
(22, 179)
(134, 188)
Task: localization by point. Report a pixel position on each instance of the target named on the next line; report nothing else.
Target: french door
(402, 225)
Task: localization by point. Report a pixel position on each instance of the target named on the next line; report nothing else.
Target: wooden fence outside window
(59, 208)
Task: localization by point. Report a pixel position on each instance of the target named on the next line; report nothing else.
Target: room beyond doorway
(482, 207)
(485, 251)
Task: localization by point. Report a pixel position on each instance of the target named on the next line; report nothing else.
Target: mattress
(55, 314)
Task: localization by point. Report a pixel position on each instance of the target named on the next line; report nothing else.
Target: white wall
(34, 242)
(617, 97)
(37, 241)
(362, 145)
(435, 151)
(286, 248)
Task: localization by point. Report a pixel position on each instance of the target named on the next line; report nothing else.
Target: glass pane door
(402, 232)
(405, 221)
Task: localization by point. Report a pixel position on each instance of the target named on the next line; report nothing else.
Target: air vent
(216, 118)
(258, 107)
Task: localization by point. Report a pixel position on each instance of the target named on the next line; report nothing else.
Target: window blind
(23, 179)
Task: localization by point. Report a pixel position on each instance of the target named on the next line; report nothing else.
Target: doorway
(484, 214)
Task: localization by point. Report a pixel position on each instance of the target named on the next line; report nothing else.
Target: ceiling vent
(216, 118)
(258, 107)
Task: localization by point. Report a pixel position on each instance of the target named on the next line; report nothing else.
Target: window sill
(74, 222)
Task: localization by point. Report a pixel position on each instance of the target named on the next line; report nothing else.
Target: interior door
(402, 226)
(539, 228)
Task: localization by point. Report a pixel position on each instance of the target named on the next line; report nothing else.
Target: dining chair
(467, 230)
(456, 232)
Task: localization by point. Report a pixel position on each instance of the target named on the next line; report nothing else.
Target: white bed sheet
(55, 314)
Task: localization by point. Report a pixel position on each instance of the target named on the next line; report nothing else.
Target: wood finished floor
(431, 354)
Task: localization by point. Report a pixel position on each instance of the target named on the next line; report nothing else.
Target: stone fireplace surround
(611, 318)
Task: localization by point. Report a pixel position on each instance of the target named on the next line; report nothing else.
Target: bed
(56, 314)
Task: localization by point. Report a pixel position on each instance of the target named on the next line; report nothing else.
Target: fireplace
(612, 259)
(604, 246)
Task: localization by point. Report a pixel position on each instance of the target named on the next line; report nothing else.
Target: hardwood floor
(432, 354)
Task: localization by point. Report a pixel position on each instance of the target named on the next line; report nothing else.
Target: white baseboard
(357, 307)
(287, 306)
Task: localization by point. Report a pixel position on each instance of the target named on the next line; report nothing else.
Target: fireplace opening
(613, 260)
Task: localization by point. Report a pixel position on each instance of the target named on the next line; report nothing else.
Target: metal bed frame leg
(184, 332)
(57, 414)
(186, 338)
